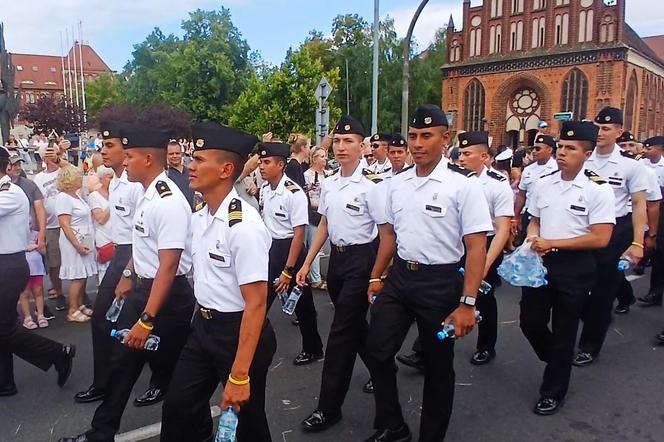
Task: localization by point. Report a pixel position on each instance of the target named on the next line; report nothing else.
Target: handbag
(105, 253)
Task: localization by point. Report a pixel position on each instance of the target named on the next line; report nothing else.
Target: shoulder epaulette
(371, 176)
(200, 206)
(405, 169)
(291, 186)
(386, 170)
(336, 171)
(163, 189)
(234, 212)
(627, 154)
(462, 170)
(639, 157)
(496, 175)
(550, 173)
(592, 176)
(5, 186)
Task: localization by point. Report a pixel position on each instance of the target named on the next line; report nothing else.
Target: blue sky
(112, 27)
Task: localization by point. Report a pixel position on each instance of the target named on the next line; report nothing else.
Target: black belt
(352, 247)
(11, 256)
(139, 281)
(414, 266)
(209, 314)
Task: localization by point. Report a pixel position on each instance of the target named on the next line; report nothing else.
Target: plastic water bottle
(114, 310)
(447, 332)
(291, 302)
(624, 264)
(283, 297)
(227, 426)
(485, 287)
(152, 343)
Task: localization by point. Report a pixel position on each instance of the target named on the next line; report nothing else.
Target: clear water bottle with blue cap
(291, 302)
(283, 296)
(448, 330)
(227, 426)
(624, 264)
(114, 310)
(151, 344)
(485, 287)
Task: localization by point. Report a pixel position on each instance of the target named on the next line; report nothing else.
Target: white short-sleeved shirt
(432, 214)
(47, 183)
(381, 168)
(14, 217)
(658, 168)
(353, 206)
(532, 173)
(162, 221)
(103, 232)
(284, 208)
(625, 176)
(78, 209)
(567, 209)
(498, 193)
(226, 257)
(123, 197)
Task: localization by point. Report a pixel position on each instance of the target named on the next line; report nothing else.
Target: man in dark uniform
(232, 342)
(160, 300)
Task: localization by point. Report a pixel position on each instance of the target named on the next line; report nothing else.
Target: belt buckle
(413, 266)
(205, 313)
(341, 249)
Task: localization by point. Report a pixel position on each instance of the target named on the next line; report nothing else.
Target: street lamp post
(406, 68)
(376, 55)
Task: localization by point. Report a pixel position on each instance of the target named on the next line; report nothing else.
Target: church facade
(516, 62)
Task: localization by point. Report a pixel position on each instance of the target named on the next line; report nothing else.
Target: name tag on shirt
(141, 229)
(217, 257)
(122, 210)
(220, 260)
(615, 181)
(280, 215)
(578, 210)
(434, 209)
(353, 208)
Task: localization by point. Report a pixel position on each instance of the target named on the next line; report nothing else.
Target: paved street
(618, 399)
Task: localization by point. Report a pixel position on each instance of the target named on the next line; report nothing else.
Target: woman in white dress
(76, 241)
(101, 214)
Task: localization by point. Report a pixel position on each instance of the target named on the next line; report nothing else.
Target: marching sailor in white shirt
(232, 342)
(379, 148)
(397, 152)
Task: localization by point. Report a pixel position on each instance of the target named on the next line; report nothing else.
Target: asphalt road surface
(620, 398)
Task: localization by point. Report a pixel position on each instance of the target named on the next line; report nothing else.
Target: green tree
(426, 79)
(105, 90)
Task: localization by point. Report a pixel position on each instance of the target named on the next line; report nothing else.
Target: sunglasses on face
(375, 146)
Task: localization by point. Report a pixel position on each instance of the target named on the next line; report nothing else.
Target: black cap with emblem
(579, 131)
(657, 141)
(381, 136)
(610, 115)
(428, 115)
(134, 136)
(274, 150)
(546, 139)
(349, 125)
(625, 137)
(211, 135)
(398, 140)
(467, 139)
(111, 130)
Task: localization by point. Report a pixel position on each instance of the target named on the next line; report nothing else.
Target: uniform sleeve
(654, 192)
(523, 181)
(322, 202)
(249, 244)
(602, 206)
(504, 201)
(299, 209)
(532, 200)
(172, 223)
(64, 204)
(637, 180)
(8, 203)
(376, 202)
(473, 208)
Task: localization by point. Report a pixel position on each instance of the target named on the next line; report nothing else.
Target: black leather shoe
(150, 397)
(583, 359)
(660, 338)
(319, 421)
(399, 434)
(63, 366)
(368, 387)
(650, 300)
(8, 390)
(547, 406)
(295, 322)
(92, 394)
(413, 359)
(307, 358)
(482, 357)
(621, 309)
(80, 438)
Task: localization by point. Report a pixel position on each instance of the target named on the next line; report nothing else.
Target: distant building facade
(515, 62)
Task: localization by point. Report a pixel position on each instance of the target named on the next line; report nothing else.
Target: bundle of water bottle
(112, 315)
(524, 268)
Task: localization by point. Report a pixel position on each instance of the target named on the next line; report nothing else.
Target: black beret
(609, 115)
(274, 150)
(349, 125)
(381, 136)
(467, 139)
(134, 136)
(428, 115)
(579, 131)
(211, 135)
(654, 141)
(398, 140)
(625, 137)
(546, 139)
(111, 130)
(4, 153)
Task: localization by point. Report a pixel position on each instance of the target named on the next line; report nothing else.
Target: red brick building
(515, 62)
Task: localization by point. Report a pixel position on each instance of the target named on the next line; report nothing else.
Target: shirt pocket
(354, 208)
(219, 258)
(578, 209)
(141, 229)
(434, 210)
(122, 210)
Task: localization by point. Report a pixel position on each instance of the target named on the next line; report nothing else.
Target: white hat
(504, 155)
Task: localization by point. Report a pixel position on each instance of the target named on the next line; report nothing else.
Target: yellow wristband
(639, 245)
(149, 327)
(372, 280)
(234, 381)
(286, 274)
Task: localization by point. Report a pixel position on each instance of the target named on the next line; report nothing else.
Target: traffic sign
(323, 90)
(563, 116)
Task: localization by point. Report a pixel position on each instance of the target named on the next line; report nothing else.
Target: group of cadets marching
(409, 243)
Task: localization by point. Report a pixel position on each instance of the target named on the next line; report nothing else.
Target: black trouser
(657, 271)
(596, 315)
(205, 361)
(427, 295)
(305, 308)
(521, 236)
(15, 339)
(172, 325)
(487, 329)
(347, 282)
(625, 294)
(570, 276)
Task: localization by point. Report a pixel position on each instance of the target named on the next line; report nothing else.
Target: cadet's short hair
(234, 158)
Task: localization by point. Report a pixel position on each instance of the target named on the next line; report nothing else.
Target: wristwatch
(127, 273)
(468, 300)
(289, 269)
(146, 318)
